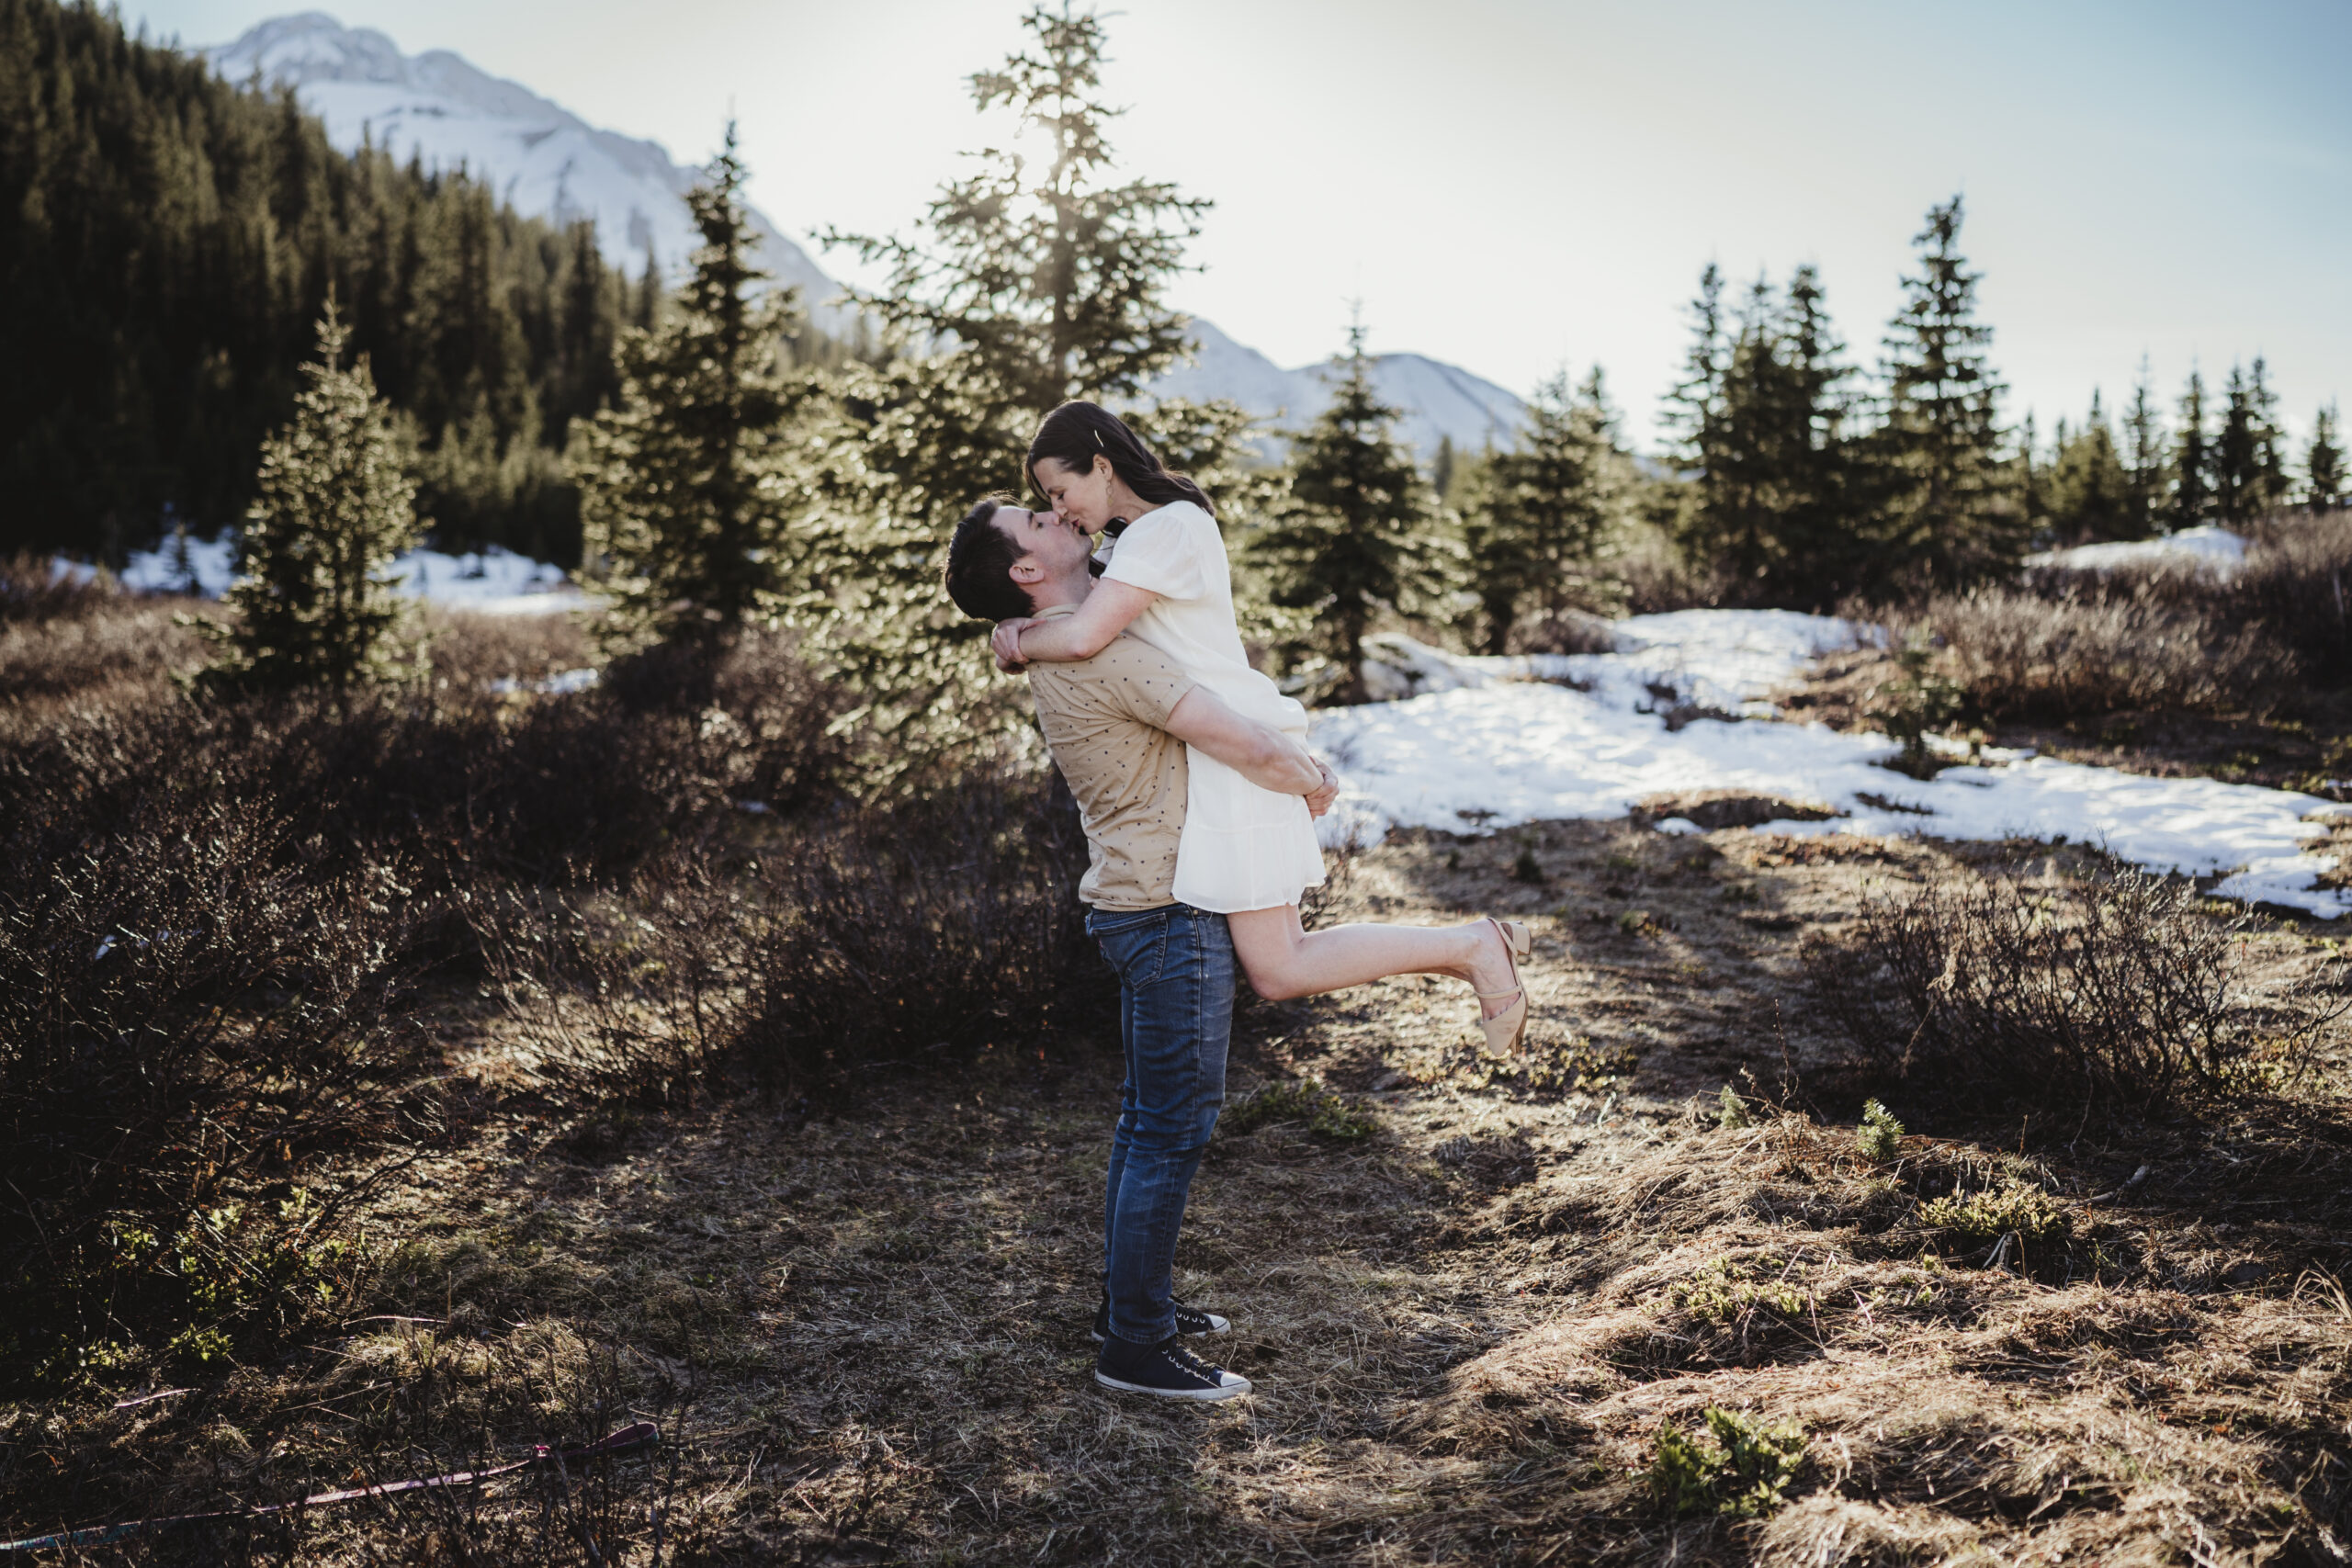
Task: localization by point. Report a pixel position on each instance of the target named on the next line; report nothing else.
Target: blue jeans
(1176, 980)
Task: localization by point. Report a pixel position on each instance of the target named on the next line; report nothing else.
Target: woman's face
(1081, 498)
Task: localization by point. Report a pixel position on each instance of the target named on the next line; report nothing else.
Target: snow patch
(2206, 546)
(1494, 744)
(496, 581)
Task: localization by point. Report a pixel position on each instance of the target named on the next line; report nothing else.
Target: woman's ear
(1102, 468)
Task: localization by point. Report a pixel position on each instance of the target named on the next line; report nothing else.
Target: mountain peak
(535, 155)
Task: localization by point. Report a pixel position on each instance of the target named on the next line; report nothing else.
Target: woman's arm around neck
(1088, 631)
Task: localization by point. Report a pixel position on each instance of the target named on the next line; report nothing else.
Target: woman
(1246, 853)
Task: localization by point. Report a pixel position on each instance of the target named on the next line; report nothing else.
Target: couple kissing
(1199, 795)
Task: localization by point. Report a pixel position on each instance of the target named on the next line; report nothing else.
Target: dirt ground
(1471, 1305)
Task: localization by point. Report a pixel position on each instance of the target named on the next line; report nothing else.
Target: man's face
(1049, 547)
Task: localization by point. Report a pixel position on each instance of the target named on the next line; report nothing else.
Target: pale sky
(1514, 186)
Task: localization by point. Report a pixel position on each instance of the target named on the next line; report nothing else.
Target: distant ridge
(539, 157)
(1438, 400)
(544, 161)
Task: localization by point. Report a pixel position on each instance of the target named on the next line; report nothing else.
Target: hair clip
(1098, 441)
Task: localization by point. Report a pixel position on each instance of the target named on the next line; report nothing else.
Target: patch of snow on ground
(2208, 545)
(496, 581)
(183, 564)
(1490, 751)
(562, 684)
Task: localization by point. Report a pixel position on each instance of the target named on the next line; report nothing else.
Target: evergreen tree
(1442, 469)
(1941, 447)
(2268, 491)
(1052, 282)
(2192, 461)
(689, 490)
(1761, 412)
(2237, 454)
(2032, 492)
(332, 509)
(1027, 284)
(2324, 463)
(1693, 414)
(1355, 536)
(2144, 436)
(1546, 509)
(2089, 488)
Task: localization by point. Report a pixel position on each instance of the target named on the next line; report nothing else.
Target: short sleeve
(1162, 552)
(1136, 680)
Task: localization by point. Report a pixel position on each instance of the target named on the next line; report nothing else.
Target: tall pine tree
(1027, 284)
(1760, 416)
(332, 508)
(2089, 487)
(690, 487)
(2192, 460)
(2324, 463)
(1948, 507)
(1545, 509)
(2143, 455)
(1051, 281)
(1355, 536)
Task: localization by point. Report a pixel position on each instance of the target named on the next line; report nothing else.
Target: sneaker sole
(1219, 1326)
(1199, 1396)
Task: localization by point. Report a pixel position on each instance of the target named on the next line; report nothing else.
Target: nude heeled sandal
(1507, 1028)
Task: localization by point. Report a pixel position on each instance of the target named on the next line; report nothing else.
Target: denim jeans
(1176, 980)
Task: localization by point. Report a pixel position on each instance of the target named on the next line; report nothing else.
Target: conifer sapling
(334, 505)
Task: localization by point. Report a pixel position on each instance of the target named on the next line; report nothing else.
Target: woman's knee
(1270, 963)
(1275, 979)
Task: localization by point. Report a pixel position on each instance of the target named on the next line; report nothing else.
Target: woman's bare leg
(1283, 959)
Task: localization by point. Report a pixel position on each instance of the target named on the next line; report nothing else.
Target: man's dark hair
(979, 566)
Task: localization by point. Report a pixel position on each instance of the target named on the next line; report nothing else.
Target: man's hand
(1006, 644)
(1319, 801)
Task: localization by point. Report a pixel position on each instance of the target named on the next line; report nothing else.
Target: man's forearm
(1281, 764)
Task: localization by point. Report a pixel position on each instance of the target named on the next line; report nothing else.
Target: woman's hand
(1006, 644)
(1320, 800)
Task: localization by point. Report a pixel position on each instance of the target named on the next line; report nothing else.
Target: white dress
(1243, 847)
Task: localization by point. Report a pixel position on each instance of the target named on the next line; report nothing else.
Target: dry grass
(2123, 986)
(2020, 655)
(861, 1322)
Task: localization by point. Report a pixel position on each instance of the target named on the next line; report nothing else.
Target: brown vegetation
(1490, 1303)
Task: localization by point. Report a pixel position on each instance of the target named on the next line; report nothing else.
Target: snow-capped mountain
(1438, 400)
(538, 157)
(543, 160)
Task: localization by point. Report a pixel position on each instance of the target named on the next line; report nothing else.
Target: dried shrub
(2297, 578)
(32, 589)
(2126, 989)
(2019, 655)
(946, 924)
(191, 1015)
(128, 650)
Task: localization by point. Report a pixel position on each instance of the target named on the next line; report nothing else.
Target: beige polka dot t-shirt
(1103, 719)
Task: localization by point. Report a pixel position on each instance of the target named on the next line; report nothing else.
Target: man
(1117, 724)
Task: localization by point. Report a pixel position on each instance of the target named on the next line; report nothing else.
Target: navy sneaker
(1189, 1319)
(1167, 1369)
